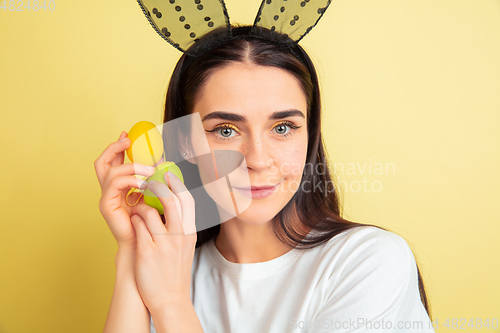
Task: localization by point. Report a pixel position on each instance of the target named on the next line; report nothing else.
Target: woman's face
(267, 110)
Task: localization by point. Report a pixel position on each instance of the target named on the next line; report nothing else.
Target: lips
(253, 188)
(258, 192)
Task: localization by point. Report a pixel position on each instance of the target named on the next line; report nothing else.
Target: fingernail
(149, 168)
(170, 174)
(143, 184)
(122, 140)
(152, 182)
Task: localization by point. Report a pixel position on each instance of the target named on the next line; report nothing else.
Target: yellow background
(410, 83)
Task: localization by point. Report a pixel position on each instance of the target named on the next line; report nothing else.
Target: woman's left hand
(165, 252)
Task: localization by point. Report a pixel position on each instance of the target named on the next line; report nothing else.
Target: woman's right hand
(116, 179)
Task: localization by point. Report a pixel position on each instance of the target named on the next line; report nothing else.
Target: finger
(118, 184)
(129, 169)
(141, 231)
(152, 219)
(110, 157)
(171, 209)
(120, 157)
(186, 201)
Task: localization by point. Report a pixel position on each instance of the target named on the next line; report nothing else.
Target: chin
(257, 216)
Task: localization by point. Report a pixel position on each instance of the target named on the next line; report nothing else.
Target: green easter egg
(149, 197)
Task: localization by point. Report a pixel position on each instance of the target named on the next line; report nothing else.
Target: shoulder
(367, 249)
(373, 275)
(371, 239)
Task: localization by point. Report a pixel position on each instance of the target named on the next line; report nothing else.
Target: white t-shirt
(362, 280)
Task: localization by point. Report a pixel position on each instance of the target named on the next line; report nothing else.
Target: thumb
(141, 230)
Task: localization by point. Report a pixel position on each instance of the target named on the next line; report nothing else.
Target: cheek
(291, 162)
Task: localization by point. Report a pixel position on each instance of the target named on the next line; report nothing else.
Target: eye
(224, 131)
(281, 128)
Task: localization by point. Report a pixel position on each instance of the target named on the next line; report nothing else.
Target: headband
(183, 22)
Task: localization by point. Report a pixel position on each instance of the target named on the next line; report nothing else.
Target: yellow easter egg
(146, 145)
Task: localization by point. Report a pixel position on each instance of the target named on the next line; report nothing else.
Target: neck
(240, 242)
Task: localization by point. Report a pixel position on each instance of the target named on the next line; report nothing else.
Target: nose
(258, 154)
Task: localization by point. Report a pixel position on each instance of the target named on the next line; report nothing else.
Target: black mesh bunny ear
(182, 22)
(292, 18)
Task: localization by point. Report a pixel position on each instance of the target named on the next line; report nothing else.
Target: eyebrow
(236, 117)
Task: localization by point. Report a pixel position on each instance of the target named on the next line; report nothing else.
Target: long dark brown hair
(313, 211)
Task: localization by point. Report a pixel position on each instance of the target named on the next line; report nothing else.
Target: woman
(289, 262)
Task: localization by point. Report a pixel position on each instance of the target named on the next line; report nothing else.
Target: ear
(293, 19)
(181, 23)
(185, 149)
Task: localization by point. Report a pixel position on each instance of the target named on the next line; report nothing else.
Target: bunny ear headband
(183, 22)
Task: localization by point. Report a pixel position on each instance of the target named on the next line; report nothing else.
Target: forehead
(250, 89)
